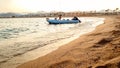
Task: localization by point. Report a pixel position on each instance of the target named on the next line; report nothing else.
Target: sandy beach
(97, 49)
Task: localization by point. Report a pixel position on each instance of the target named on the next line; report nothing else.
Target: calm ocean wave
(15, 27)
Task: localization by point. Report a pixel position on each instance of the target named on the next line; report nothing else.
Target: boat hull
(63, 21)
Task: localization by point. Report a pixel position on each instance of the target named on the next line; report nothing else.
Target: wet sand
(97, 49)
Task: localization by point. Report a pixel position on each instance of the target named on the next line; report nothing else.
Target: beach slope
(97, 49)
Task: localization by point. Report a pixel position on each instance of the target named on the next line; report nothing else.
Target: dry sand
(98, 49)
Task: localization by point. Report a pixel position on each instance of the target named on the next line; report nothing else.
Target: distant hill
(9, 14)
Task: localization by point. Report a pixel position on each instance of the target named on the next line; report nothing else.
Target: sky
(56, 5)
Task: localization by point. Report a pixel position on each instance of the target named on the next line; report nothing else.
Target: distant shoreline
(55, 14)
(63, 16)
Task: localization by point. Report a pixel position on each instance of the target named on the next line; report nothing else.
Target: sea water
(20, 35)
(16, 27)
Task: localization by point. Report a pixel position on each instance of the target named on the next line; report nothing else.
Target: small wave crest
(11, 32)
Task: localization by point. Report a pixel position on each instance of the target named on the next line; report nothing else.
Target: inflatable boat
(54, 21)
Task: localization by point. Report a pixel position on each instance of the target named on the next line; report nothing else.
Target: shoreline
(18, 59)
(97, 49)
(12, 63)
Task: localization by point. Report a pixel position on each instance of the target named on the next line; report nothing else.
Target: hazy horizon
(56, 5)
